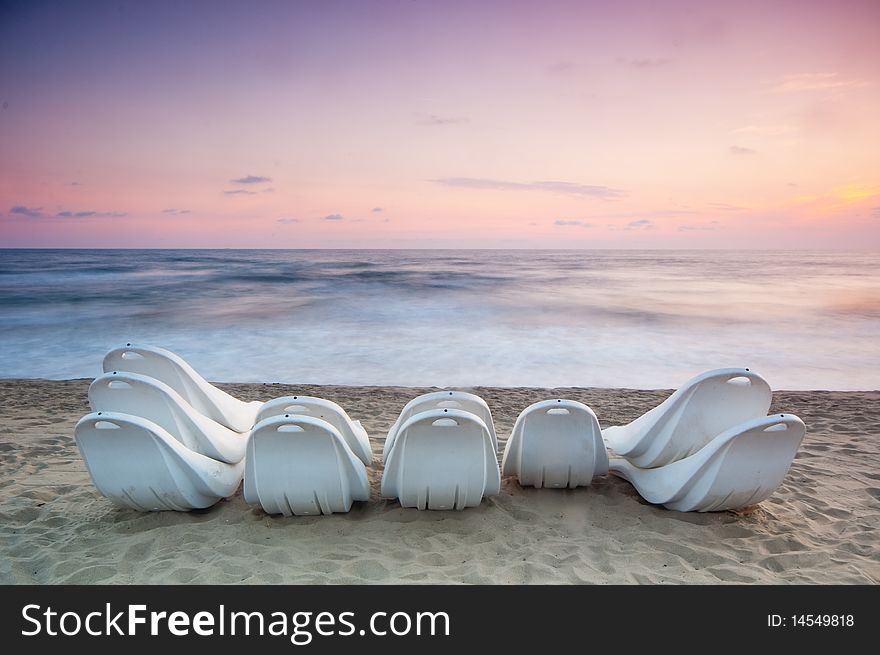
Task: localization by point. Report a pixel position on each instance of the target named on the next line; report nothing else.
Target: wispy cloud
(82, 214)
(434, 119)
(239, 192)
(723, 206)
(31, 212)
(74, 184)
(377, 209)
(564, 222)
(644, 62)
(741, 150)
(875, 211)
(271, 189)
(251, 179)
(288, 221)
(817, 82)
(699, 227)
(176, 212)
(90, 213)
(641, 224)
(334, 217)
(552, 186)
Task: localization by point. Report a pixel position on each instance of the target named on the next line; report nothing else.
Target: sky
(392, 124)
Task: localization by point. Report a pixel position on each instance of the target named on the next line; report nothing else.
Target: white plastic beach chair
(171, 369)
(704, 407)
(302, 465)
(443, 459)
(138, 464)
(739, 467)
(139, 395)
(352, 431)
(462, 400)
(555, 443)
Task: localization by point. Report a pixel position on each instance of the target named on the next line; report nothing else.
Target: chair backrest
(743, 466)
(290, 457)
(323, 409)
(556, 443)
(701, 409)
(171, 369)
(443, 459)
(455, 400)
(139, 395)
(132, 462)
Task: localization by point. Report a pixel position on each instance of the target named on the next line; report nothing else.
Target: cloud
(875, 211)
(176, 212)
(377, 209)
(69, 214)
(723, 206)
(288, 221)
(644, 62)
(641, 224)
(240, 192)
(434, 119)
(711, 225)
(740, 150)
(334, 217)
(564, 222)
(31, 212)
(563, 188)
(74, 184)
(90, 213)
(251, 179)
(271, 189)
(817, 82)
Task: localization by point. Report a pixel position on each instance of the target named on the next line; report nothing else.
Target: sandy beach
(820, 527)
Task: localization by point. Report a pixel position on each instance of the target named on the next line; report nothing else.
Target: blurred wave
(806, 320)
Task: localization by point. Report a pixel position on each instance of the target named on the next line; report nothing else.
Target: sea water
(644, 319)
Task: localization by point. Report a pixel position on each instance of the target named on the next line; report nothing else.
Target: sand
(819, 527)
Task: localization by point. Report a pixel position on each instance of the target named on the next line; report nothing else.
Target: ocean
(640, 319)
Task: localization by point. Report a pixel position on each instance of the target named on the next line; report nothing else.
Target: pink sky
(444, 124)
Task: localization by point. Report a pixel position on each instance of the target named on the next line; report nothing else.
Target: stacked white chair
(352, 432)
(709, 446)
(462, 400)
(171, 369)
(138, 464)
(147, 446)
(555, 443)
(702, 408)
(441, 457)
(139, 395)
(740, 467)
(301, 465)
